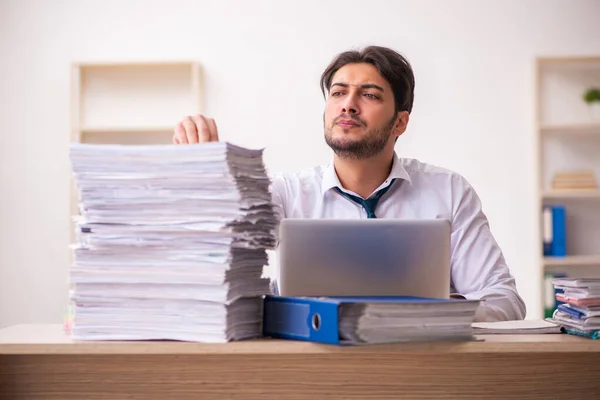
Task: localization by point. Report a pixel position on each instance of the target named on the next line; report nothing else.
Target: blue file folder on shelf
(554, 230)
(368, 320)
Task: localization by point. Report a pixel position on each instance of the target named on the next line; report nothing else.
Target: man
(369, 97)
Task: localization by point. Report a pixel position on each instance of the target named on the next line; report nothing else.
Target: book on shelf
(551, 303)
(554, 221)
(574, 180)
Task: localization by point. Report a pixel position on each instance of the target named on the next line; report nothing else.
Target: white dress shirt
(478, 268)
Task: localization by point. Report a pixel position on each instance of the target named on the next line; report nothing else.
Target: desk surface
(42, 362)
(51, 339)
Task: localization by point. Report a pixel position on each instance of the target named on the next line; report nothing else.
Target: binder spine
(559, 225)
(547, 230)
(285, 319)
(301, 319)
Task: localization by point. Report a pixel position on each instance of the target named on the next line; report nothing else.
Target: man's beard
(368, 146)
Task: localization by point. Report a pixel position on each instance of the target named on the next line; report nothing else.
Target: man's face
(359, 113)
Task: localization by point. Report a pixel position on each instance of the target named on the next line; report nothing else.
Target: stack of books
(579, 311)
(171, 242)
(574, 180)
(369, 320)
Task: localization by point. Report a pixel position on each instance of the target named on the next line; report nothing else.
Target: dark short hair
(394, 68)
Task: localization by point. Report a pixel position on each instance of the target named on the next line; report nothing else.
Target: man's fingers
(203, 130)
(195, 129)
(191, 131)
(179, 136)
(212, 126)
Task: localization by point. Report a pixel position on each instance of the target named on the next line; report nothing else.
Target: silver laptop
(364, 257)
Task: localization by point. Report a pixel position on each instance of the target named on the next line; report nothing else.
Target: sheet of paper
(516, 327)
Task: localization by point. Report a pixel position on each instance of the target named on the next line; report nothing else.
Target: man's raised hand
(195, 129)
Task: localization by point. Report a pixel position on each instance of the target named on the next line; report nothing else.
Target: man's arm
(479, 270)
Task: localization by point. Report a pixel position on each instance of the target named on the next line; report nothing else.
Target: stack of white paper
(407, 320)
(516, 327)
(171, 243)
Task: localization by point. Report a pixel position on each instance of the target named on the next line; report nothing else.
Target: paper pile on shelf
(574, 180)
(171, 243)
(580, 312)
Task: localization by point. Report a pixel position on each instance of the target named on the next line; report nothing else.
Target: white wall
(473, 107)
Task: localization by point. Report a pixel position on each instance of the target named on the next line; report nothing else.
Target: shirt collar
(331, 180)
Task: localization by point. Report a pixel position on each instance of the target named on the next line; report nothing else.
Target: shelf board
(135, 64)
(569, 59)
(571, 194)
(591, 260)
(571, 129)
(128, 129)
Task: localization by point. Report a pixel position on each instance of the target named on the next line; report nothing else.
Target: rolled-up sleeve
(479, 270)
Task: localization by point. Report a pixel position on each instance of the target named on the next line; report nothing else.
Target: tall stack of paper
(580, 313)
(172, 242)
(574, 180)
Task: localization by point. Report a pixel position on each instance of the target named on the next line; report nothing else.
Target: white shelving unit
(571, 194)
(571, 130)
(572, 261)
(111, 101)
(131, 102)
(568, 139)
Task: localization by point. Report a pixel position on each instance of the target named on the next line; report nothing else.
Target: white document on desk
(515, 327)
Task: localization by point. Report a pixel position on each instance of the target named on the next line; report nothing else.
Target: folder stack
(171, 242)
(579, 311)
(574, 180)
(369, 320)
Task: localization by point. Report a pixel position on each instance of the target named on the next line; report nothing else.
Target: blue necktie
(369, 204)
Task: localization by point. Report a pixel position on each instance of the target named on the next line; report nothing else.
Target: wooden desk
(41, 362)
